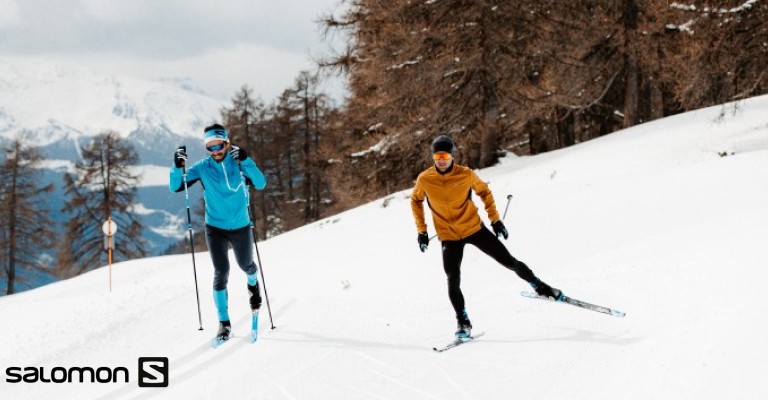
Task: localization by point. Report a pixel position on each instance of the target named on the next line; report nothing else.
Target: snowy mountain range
(60, 107)
(57, 105)
(665, 221)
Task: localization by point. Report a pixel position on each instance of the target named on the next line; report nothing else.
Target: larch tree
(417, 69)
(26, 229)
(243, 121)
(102, 188)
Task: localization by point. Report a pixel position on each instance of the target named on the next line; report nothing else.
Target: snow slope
(650, 220)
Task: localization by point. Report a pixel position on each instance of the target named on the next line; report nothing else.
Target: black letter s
(12, 372)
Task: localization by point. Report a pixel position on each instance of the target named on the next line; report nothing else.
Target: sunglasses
(441, 155)
(216, 147)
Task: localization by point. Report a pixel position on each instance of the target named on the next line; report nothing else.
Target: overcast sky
(221, 45)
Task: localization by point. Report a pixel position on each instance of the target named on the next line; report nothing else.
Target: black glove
(180, 156)
(238, 153)
(499, 229)
(423, 241)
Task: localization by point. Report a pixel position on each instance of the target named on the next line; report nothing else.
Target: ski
(457, 342)
(254, 326)
(577, 303)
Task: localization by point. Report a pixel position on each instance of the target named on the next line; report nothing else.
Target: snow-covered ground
(650, 220)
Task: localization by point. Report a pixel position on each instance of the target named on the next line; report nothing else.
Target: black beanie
(442, 143)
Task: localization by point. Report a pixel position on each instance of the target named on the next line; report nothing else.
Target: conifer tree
(313, 109)
(718, 51)
(527, 76)
(418, 69)
(243, 120)
(103, 187)
(26, 230)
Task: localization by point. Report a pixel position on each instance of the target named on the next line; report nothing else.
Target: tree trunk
(490, 93)
(656, 93)
(11, 271)
(631, 92)
(307, 158)
(631, 69)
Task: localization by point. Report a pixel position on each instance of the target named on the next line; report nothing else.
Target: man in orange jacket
(448, 190)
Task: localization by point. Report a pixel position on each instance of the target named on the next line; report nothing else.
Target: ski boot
(255, 297)
(464, 327)
(225, 330)
(544, 290)
(224, 333)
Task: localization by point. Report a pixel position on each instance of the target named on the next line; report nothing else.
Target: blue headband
(215, 134)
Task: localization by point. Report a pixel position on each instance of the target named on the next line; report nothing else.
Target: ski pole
(191, 242)
(261, 270)
(256, 244)
(509, 198)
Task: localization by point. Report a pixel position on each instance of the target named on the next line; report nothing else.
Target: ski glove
(238, 153)
(499, 229)
(180, 156)
(423, 241)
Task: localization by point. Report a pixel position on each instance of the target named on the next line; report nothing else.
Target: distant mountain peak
(55, 101)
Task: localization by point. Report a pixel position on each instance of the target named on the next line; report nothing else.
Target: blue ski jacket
(224, 188)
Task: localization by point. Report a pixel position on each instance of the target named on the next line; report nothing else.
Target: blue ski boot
(224, 333)
(464, 327)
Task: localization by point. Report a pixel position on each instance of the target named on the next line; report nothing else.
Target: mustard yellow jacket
(449, 196)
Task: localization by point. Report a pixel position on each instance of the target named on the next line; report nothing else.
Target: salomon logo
(66, 375)
(153, 371)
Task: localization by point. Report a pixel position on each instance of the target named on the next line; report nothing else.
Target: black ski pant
(218, 241)
(488, 243)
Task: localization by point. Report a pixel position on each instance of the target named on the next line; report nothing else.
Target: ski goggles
(441, 155)
(216, 147)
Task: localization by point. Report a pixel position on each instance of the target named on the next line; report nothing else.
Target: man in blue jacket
(224, 175)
